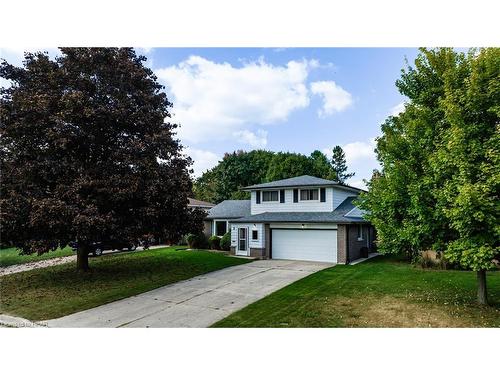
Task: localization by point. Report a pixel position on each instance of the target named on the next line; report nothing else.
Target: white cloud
(361, 159)
(397, 109)
(202, 160)
(356, 152)
(148, 53)
(360, 184)
(215, 100)
(257, 140)
(335, 98)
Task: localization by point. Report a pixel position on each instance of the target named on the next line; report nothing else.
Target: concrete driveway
(197, 302)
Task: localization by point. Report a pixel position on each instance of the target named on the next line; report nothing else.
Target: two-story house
(299, 218)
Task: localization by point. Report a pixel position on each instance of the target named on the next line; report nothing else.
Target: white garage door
(296, 244)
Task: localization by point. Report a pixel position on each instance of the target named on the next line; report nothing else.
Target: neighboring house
(300, 218)
(195, 203)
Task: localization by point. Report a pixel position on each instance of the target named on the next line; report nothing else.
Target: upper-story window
(309, 194)
(270, 196)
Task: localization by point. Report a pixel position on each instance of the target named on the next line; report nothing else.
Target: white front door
(242, 241)
(297, 244)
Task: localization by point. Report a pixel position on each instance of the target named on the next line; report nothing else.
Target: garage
(297, 244)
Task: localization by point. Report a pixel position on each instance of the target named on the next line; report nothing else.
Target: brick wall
(257, 253)
(341, 243)
(267, 240)
(347, 238)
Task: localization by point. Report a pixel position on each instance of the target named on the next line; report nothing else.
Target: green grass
(10, 256)
(60, 290)
(382, 292)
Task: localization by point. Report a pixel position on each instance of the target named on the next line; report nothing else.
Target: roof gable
(298, 182)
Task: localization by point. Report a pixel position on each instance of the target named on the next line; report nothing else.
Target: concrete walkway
(197, 302)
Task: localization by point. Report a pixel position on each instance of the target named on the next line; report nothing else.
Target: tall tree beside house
(322, 167)
(439, 184)
(468, 161)
(241, 168)
(236, 170)
(339, 165)
(86, 153)
(286, 164)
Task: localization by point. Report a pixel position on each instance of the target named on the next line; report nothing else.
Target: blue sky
(334, 96)
(297, 100)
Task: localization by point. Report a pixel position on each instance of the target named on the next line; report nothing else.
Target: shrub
(214, 242)
(197, 241)
(433, 259)
(225, 241)
(183, 240)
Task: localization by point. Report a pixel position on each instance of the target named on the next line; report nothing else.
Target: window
(360, 232)
(255, 234)
(220, 228)
(309, 195)
(270, 196)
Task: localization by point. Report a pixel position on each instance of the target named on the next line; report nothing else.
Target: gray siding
(339, 195)
(259, 243)
(290, 206)
(334, 197)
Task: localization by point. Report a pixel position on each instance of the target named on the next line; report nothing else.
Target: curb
(17, 322)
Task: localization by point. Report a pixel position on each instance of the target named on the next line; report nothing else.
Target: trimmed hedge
(197, 241)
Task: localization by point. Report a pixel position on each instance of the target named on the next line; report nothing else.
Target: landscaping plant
(225, 241)
(86, 153)
(214, 242)
(440, 180)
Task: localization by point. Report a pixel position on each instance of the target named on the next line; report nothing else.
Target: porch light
(255, 225)
(303, 226)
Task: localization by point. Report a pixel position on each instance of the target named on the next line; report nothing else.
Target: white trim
(360, 230)
(247, 245)
(214, 232)
(269, 191)
(309, 200)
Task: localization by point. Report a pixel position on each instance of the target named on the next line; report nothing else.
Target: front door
(242, 241)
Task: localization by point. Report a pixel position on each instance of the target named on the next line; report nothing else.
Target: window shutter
(257, 197)
(282, 196)
(322, 194)
(295, 195)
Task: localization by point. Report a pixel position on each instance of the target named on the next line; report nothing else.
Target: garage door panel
(313, 245)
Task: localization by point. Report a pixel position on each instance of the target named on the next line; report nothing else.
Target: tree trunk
(482, 295)
(82, 258)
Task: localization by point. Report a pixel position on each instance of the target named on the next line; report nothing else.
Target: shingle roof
(298, 181)
(336, 216)
(230, 209)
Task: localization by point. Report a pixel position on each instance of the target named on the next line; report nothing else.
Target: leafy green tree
(286, 164)
(240, 168)
(439, 183)
(234, 171)
(468, 161)
(321, 166)
(339, 165)
(86, 153)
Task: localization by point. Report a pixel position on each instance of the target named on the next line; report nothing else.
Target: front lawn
(60, 290)
(381, 292)
(10, 256)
